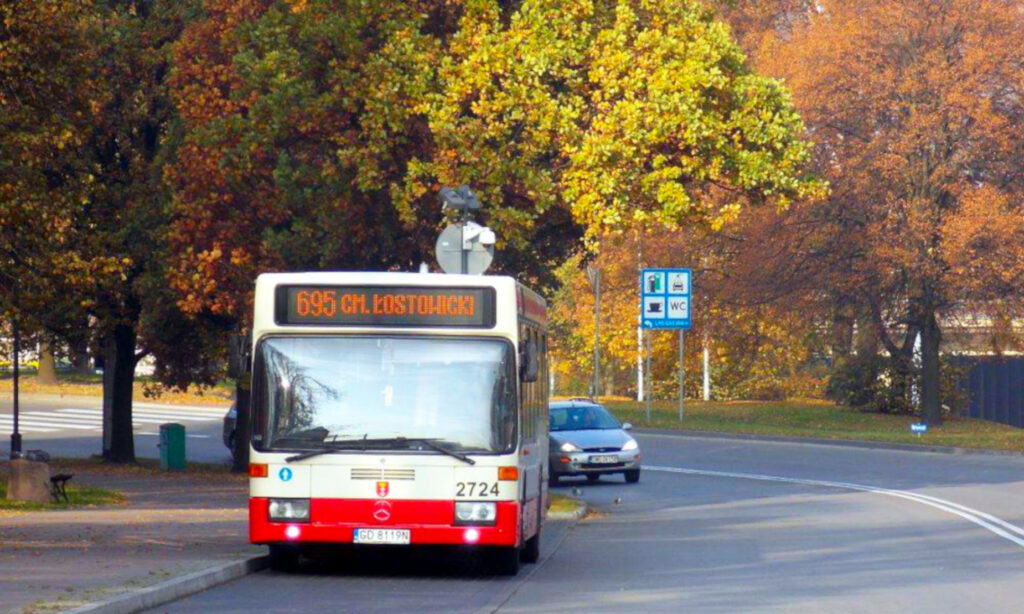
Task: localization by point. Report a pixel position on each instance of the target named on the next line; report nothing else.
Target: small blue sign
(665, 298)
(285, 474)
(918, 428)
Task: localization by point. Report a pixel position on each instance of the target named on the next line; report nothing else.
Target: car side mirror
(529, 366)
(626, 426)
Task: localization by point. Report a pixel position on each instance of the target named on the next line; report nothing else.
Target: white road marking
(47, 415)
(998, 526)
(50, 423)
(211, 409)
(21, 429)
(142, 416)
(92, 419)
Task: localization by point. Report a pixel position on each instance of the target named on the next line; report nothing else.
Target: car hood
(594, 438)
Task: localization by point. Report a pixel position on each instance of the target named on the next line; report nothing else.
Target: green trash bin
(172, 447)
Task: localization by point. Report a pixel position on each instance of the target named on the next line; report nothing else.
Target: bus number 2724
(476, 489)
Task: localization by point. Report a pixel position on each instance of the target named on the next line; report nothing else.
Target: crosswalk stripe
(47, 423)
(72, 419)
(34, 429)
(211, 409)
(155, 418)
(93, 418)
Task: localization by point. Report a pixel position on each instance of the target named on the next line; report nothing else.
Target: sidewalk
(171, 525)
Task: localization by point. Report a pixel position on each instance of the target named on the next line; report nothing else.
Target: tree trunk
(80, 358)
(842, 331)
(242, 430)
(47, 373)
(119, 375)
(931, 403)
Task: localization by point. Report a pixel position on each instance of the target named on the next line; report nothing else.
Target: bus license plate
(381, 536)
(604, 460)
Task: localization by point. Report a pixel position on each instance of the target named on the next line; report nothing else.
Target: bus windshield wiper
(332, 446)
(433, 445)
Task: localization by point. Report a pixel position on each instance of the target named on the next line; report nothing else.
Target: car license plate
(604, 460)
(381, 536)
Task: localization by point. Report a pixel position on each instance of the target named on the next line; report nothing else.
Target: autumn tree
(915, 106)
(760, 346)
(90, 137)
(44, 93)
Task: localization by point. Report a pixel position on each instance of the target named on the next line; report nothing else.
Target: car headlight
(630, 445)
(289, 510)
(570, 447)
(475, 512)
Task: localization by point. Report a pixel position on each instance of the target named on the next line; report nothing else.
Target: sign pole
(682, 374)
(464, 261)
(647, 374)
(707, 374)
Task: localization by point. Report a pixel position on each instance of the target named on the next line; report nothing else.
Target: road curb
(848, 443)
(177, 588)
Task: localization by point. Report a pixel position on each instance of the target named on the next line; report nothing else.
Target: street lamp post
(16, 434)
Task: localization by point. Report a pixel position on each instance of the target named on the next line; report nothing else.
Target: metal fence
(995, 388)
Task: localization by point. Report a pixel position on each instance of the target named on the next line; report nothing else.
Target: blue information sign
(665, 298)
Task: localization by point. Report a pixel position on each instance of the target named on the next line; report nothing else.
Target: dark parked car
(587, 440)
(230, 419)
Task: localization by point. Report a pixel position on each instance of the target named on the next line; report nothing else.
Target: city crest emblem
(382, 489)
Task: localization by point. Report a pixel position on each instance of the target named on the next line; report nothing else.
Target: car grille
(605, 449)
(603, 465)
(376, 473)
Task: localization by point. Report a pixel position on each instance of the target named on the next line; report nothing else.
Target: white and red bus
(398, 409)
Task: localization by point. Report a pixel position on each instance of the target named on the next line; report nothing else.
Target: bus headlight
(289, 510)
(475, 512)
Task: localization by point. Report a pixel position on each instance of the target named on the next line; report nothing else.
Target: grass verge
(562, 503)
(78, 496)
(817, 419)
(142, 467)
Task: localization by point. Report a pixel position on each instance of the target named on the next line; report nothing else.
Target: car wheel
(231, 442)
(284, 558)
(632, 476)
(505, 561)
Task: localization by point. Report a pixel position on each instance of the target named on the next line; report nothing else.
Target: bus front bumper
(428, 522)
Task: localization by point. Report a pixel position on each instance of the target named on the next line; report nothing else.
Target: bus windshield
(359, 392)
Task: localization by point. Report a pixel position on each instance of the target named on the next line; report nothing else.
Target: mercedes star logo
(382, 511)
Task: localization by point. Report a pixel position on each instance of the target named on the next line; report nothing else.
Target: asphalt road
(71, 427)
(723, 526)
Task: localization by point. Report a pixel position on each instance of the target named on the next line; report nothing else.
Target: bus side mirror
(239, 356)
(529, 366)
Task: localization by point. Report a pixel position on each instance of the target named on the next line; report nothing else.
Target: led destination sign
(385, 306)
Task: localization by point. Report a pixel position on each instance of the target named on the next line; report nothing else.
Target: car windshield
(581, 418)
(318, 392)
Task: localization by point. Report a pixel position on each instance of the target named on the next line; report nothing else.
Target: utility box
(172, 447)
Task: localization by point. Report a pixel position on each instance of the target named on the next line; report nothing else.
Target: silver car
(587, 440)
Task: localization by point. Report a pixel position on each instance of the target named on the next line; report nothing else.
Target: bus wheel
(284, 558)
(531, 549)
(506, 561)
(632, 476)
